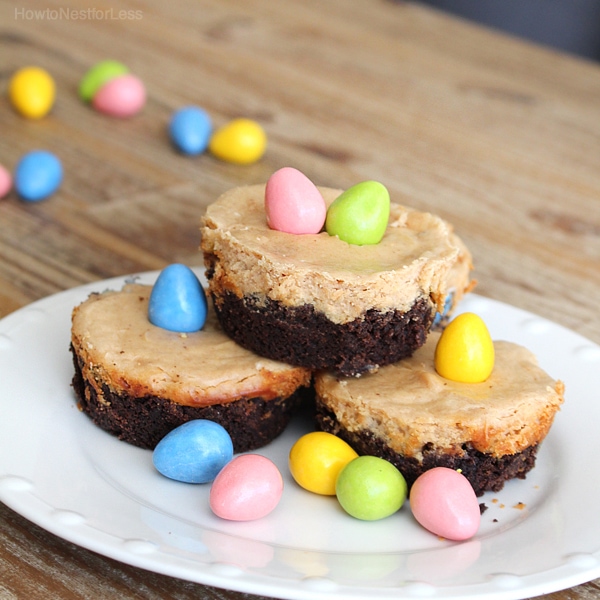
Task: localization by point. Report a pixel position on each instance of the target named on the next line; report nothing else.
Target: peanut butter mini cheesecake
(139, 381)
(316, 301)
(411, 416)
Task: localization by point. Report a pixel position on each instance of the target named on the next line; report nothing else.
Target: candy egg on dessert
(442, 316)
(370, 488)
(316, 459)
(241, 141)
(38, 174)
(293, 204)
(443, 501)
(465, 350)
(194, 452)
(177, 301)
(32, 91)
(190, 129)
(247, 488)
(360, 214)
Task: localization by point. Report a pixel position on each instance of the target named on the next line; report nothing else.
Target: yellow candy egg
(465, 350)
(241, 141)
(316, 459)
(31, 91)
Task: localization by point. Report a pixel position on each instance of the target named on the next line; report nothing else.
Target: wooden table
(498, 136)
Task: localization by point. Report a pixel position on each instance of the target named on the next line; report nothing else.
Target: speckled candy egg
(360, 214)
(38, 175)
(293, 203)
(370, 488)
(32, 91)
(123, 96)
(241, 141)
(194, 452)
(316, 459)
(190, 129)
(5, 181)
(101, 73)
(177, 300)
(465, 350)
(443, 501)
(248, 488)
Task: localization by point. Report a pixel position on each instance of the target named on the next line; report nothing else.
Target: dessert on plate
(139, 381)
(410, 415)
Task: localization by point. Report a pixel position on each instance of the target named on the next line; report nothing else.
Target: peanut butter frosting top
(408, 404)
(120, 348)
(419, 256)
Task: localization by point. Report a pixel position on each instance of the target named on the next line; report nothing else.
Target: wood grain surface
(498, 136)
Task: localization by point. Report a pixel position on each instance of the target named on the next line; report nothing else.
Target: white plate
(63, 473)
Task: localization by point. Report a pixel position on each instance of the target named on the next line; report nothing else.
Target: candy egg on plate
(443, 501)
(248, 488)
(370, 488)
(194, 452)
(316, 459)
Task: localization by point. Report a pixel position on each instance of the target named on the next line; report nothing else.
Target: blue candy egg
(38, 175)
(177, 300)
(440, 316)
(194, 452)
(190, 130)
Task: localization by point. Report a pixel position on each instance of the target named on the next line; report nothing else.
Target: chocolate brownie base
(484, 471)
(251, 423)
(303, 337)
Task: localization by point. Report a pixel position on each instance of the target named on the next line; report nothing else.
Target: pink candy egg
(5, 181)
(443, 501)
(247, 488)
(293, 203)
(122, 96)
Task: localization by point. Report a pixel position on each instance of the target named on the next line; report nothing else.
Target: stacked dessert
(416, 419)
(344, 288)
(139, 381)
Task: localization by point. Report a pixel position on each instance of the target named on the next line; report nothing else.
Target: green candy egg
(98, 75)
(360, 214)
(370, 488)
